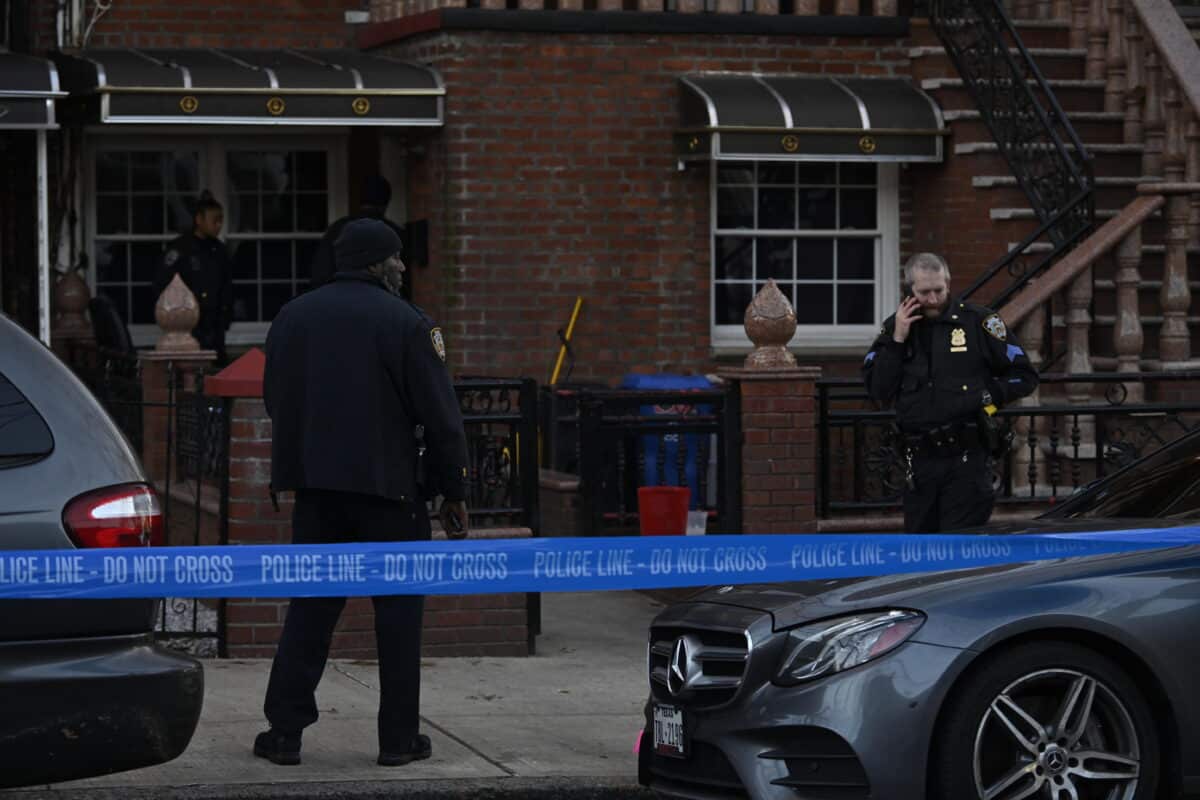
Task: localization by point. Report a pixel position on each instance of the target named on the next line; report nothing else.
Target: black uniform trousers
(953, 491)
(329, 517)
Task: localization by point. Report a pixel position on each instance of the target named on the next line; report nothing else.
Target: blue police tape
(534, 565)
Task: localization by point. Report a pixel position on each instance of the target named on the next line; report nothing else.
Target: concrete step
(1111, 160)
(1072, 95)
(932, 61)
(1092, 127)
(1111, 192)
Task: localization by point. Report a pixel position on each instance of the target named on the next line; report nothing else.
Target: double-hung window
(826, 232)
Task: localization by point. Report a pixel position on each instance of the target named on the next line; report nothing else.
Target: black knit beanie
(364, 242)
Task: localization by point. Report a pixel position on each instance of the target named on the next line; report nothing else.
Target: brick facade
(555, 177)
(194, 23)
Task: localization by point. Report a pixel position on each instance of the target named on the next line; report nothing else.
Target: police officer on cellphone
(946, 366)
(365, 426)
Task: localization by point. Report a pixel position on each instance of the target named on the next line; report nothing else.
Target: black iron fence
(629, 439)
(1057, 447)
(182, 436)
(500, 418)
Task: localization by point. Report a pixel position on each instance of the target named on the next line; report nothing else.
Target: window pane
(274, 295)
(781, 172)
(310, 170)
(817, 210)
(143, 305)
(774, 258)
(277, 213)
(311, 213)
(242, 169)
(277, 172)
(305, 250)
(243, 214)
(185, 172)
(147, 171)
(814, 304)
(179, 213)
(731, 301)
(858, 209)
(855, 304)
(816, 172)
(245, 259)
(814, 259)
(111, 262)
(112, 172)
(735, 173)
(734, 258)
(276, 261)
(735, 208)
(776, 208)
(148, 214)
(146, 257)
(856, 259)
(23, 432)
(245, 302)
(112, 214)
(858, 174)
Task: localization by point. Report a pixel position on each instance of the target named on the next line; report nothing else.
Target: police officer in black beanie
(353, 373)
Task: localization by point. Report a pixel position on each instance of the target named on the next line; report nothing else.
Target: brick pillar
(779, 448)
(156, 368)
(779, 421)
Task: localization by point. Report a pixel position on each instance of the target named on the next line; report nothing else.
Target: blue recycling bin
(667, 447)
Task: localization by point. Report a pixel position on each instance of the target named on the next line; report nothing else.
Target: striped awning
(28, 90)
(253, 87)
(739, 117)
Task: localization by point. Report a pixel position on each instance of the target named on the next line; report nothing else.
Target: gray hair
(925, 262)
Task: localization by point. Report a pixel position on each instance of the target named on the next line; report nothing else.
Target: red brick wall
(481, 625)
(196, 23)
(555, 176)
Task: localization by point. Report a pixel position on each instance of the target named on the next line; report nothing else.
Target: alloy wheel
(1057, 734)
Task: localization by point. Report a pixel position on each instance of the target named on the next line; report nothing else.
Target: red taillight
(119, 516)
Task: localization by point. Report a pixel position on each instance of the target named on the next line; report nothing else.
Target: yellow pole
(562, 350)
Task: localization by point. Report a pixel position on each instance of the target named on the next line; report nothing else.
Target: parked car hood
(801, 601)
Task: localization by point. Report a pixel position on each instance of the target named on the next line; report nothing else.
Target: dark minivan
(84, 688)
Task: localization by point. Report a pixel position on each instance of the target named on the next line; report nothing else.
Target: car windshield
(1164, 485)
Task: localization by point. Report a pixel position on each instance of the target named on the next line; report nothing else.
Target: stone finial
(770, 324)
(177, 312)
(71, 298)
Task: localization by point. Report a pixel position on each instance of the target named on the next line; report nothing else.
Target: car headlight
(832, 645)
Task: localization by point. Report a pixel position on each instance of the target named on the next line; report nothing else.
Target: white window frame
(212, 144)
(823, 339)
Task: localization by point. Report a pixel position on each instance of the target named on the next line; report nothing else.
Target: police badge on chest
(958, 341)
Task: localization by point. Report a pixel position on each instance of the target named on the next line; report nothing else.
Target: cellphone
(906, 291)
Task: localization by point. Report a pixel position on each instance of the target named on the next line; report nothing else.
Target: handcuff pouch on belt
(951, 439)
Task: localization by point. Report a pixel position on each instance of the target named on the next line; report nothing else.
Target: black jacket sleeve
(434, 404)
(1013, 375)
(884, 365)
(174, 259)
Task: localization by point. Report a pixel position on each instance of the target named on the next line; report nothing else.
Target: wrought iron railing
(1056, 449)
(1033, 134)
(500, 417)
(628, 439)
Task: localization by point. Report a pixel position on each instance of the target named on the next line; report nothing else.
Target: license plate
(669, 739)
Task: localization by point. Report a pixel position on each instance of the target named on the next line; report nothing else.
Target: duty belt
(950, 439)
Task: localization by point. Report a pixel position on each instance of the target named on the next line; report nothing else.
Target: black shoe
(278, 747)
(418, 749)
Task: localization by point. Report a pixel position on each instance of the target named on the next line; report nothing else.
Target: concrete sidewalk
(560, 723)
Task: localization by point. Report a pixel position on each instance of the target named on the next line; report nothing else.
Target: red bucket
(662, 510)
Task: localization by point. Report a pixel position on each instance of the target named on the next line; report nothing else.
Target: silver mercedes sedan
(1070, 679)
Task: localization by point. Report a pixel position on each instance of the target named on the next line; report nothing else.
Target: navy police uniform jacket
(940, 374)
(206, 268)
(351, 370)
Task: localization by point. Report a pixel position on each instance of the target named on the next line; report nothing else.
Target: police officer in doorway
(946, 366)
(200, 258)
(365, 425)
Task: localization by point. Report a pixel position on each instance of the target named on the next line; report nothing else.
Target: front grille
(820, 764)
(719, 657)
(706, 770)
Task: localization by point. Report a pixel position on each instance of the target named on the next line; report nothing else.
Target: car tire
(989, 733)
